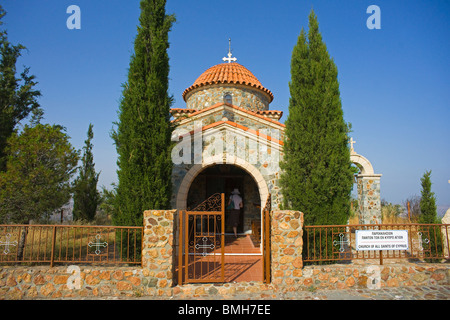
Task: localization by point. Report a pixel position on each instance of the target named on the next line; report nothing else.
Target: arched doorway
(224, 178)
(244, 254)
(183, 190)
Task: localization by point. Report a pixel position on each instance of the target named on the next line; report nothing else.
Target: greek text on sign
(382, 240)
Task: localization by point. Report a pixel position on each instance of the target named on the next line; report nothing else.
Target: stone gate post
(286, 246)
(157, 251)
(369, 201)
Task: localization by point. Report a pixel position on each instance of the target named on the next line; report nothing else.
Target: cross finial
(352, 142)
(229, 59)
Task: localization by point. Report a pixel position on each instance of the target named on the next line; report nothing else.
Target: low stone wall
(95, 282)
(373, 276)
(155, 278)
(332, 277)
(69, 282)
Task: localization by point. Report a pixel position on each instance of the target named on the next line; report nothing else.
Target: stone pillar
(157, 251)
(286, 247)
(446, 232)
(369, 198)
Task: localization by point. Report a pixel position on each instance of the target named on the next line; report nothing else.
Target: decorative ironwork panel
(213, 203)
(342, 243)
(97, 243)
(7, 243)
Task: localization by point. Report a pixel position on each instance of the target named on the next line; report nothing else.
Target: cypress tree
(86, 196)
(317, 176)
(143, 133)
(428, 215)
(428, 210)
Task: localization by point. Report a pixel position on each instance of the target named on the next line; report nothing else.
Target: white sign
(382, 240)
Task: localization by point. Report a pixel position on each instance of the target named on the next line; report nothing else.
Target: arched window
(227, 98)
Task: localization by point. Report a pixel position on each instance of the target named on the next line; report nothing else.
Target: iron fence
(70, 244)
(325, 243)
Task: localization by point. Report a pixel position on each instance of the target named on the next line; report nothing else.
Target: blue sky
(394, 81)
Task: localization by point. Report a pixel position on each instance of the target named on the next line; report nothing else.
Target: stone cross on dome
(352, 142)
(229, 59)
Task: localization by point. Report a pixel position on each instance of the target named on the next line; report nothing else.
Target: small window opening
(227, 98)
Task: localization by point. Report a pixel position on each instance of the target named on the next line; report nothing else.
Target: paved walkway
(402, 293)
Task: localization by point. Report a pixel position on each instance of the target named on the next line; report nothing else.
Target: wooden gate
(201, 238)
(266, 240)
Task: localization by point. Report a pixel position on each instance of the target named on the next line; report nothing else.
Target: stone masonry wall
(369, 199)
(43, 282)
(254, 150)
(155, 278)
(332, 277)
(373, 276)
(242, 96)
(70, 282)
(157, 252)
(286, 246)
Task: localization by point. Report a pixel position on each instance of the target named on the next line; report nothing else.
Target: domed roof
(232, 73)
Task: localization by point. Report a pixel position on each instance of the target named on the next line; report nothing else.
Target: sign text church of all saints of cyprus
(228, 138)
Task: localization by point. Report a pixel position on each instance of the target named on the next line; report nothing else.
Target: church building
(227, 138)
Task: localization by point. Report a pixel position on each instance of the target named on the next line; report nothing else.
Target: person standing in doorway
(237, 204)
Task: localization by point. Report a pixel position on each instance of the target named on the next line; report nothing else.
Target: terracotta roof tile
(228, 73)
